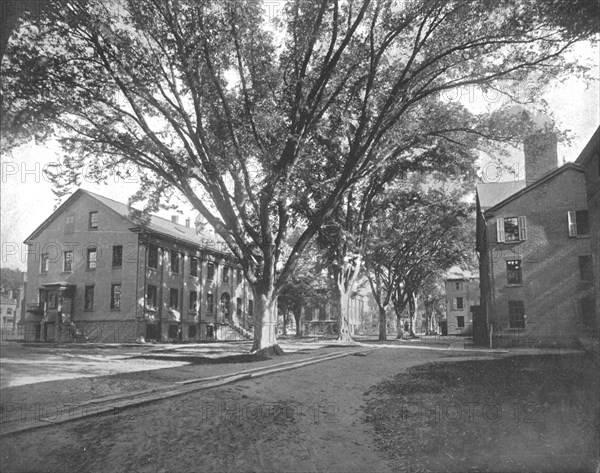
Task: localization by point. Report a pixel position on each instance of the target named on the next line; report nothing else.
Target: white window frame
(572, 222)
(522, 228)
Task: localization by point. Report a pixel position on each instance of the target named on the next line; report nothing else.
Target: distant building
(98, 270)
(462, 293)
(536, 264)
(322, 319)
(9, 311)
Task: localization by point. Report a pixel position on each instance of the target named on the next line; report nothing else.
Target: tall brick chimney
(541, 155)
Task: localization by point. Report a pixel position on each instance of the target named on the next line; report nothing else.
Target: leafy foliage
(206, 99)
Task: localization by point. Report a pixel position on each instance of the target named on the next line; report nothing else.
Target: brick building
(536, 263)
(462, 293)
(98, 269)
(589, 160)
(322, 319)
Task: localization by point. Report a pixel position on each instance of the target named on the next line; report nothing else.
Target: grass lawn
(515, 414)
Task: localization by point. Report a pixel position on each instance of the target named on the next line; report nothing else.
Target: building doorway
(224, 307)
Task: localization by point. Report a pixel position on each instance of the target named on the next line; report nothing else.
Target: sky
(26, 197)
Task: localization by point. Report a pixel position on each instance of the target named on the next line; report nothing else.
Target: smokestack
(187, 222)
(175, 218)
(541, 155)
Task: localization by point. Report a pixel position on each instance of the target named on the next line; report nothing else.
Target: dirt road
(306, 420)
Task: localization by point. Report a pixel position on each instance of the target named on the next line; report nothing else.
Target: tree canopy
(208, 99)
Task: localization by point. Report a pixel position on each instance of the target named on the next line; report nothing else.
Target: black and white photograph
(300, 236)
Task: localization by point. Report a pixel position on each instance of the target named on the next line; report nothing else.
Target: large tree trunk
(412, 308)
(265, 335)
(298, 318)
(399, 309)
(286, 315)
(344, 334)
(382, 325)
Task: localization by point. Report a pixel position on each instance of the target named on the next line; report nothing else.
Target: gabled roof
(492, 193)
(591, 149)
(156, 224)
(524, 190)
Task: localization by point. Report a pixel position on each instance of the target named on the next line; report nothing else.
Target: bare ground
(306, 420)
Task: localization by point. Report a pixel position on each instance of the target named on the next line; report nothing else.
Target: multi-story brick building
(589, 160)
(462, 293)
(536, 264)
(322, 319)
(97, 268)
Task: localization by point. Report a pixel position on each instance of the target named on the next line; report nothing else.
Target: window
(173, 331)
(92, 255)
(226, 273)
(93, 221)
(586, 310)
(115, 296)
(52, 300)
(210, 271)
(239, 276)
(238, 307)
(210, 303)
(250, 308)
(153, 257)
(511, 229)
(194, 267)
(586, 270)
(45, 263)
(88, 303)
(151, 296)
(308, 313)
(579, 223)
(194, 302)
(70, 224)
(458, 303)
(68, 261)
(191, 331)
(174, 298)
(117, 257)
(516, 314)
(175, 261)
(460, 321)
(514, 274)
(458, 286)
(322, 313)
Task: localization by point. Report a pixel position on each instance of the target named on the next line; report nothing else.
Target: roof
(492, 193)
(538, 183)
(457, 272)
(591, 149)
(156, 224)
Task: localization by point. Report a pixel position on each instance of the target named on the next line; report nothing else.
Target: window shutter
(522, 228)
(500, 229)
(572, 224)
(454, 303)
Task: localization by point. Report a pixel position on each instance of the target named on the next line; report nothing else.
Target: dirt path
(306, 420)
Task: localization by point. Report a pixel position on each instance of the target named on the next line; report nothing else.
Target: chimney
(541, 155)
(187, 222)
(175, 218)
